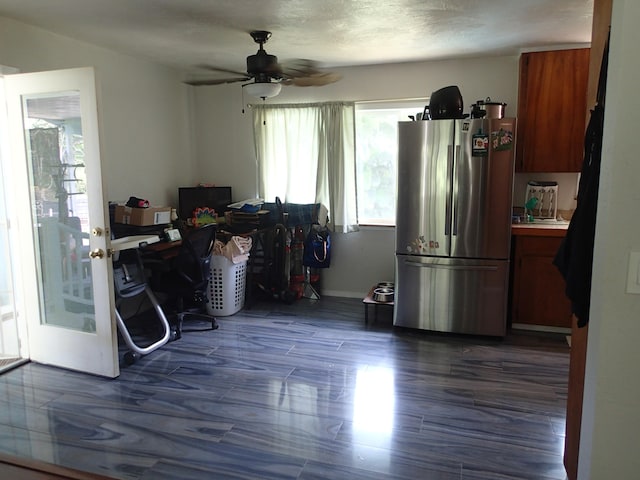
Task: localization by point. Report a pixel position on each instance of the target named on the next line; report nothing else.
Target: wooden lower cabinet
(538, 287)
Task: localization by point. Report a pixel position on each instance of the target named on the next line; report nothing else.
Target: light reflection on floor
(373, 408)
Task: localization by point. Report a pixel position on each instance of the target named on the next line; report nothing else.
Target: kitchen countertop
(542, 229)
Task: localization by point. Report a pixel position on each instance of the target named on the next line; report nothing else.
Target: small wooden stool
(368, 300)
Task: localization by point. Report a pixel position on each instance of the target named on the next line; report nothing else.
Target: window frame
(413, 106)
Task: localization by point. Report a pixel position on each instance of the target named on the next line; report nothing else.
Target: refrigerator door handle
(447, 213)
(455, 192)
(486, 268)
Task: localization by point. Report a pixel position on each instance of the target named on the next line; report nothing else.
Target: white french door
(65, 274)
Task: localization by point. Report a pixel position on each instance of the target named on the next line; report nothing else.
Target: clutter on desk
(246, 215)
(203, 196)
(136, 202)
(142, 216)
(250, 205)
(240, 221)
(172, 235)
(203, 216)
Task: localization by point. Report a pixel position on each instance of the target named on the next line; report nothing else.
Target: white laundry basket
(227, 281)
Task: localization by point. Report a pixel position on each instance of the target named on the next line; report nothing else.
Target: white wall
(225, 152)
(611, 415)
(143, 110)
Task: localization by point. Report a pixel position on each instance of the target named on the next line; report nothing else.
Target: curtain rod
(301, 104)
(394, 100)
(387, 100)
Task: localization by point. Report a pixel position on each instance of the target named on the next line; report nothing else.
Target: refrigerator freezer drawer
(451, 295)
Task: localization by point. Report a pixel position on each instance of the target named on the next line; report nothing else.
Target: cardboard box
(142, 216)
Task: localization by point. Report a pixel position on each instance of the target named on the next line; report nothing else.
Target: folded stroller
(130, 281)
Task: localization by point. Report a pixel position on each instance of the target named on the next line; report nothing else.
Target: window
(376, 157)
(306, 154)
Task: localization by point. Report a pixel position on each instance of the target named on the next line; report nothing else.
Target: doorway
(10, 356)
(10, 352)
(57, 229)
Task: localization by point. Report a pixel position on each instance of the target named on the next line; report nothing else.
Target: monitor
(190, 198)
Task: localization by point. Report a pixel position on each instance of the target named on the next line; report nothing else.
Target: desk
(158, 259)
(164, 250)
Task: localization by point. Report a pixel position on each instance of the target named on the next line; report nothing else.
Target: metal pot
(488, 109)
(383, 294)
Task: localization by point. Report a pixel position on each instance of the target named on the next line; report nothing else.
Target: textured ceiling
(188, 33)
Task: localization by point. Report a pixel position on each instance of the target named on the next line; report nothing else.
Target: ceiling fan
(268, 75)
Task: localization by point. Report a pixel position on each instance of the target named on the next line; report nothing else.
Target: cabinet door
(538, 293)
(552, 101)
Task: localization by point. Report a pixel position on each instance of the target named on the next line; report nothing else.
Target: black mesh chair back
(193, 262)
(190, 275)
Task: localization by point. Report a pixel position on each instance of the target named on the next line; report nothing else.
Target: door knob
(98, 252)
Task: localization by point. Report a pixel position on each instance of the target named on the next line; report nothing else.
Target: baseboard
(343, 294)
(540, 328)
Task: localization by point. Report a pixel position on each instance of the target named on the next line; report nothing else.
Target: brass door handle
(98, 252)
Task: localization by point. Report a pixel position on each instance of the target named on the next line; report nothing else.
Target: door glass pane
(59, 209)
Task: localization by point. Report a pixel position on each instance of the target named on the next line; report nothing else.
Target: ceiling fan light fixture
(263, 89)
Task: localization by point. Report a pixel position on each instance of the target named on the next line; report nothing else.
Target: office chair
(186, 281)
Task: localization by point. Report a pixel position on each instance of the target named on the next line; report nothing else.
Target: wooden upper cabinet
(552, 101)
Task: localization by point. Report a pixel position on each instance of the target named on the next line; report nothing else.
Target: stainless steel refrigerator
(453, 225)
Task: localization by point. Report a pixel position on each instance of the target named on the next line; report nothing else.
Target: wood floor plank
(303, 391)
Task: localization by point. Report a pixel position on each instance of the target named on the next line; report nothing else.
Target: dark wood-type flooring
(306, 391)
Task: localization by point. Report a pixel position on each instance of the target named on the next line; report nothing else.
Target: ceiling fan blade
(315, 80)
(220, 69)
(299, 67)
(216, 81)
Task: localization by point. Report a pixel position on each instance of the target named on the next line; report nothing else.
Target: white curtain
(306, 154)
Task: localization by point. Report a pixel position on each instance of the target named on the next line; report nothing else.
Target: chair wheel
(174, 335)
(130, 358)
